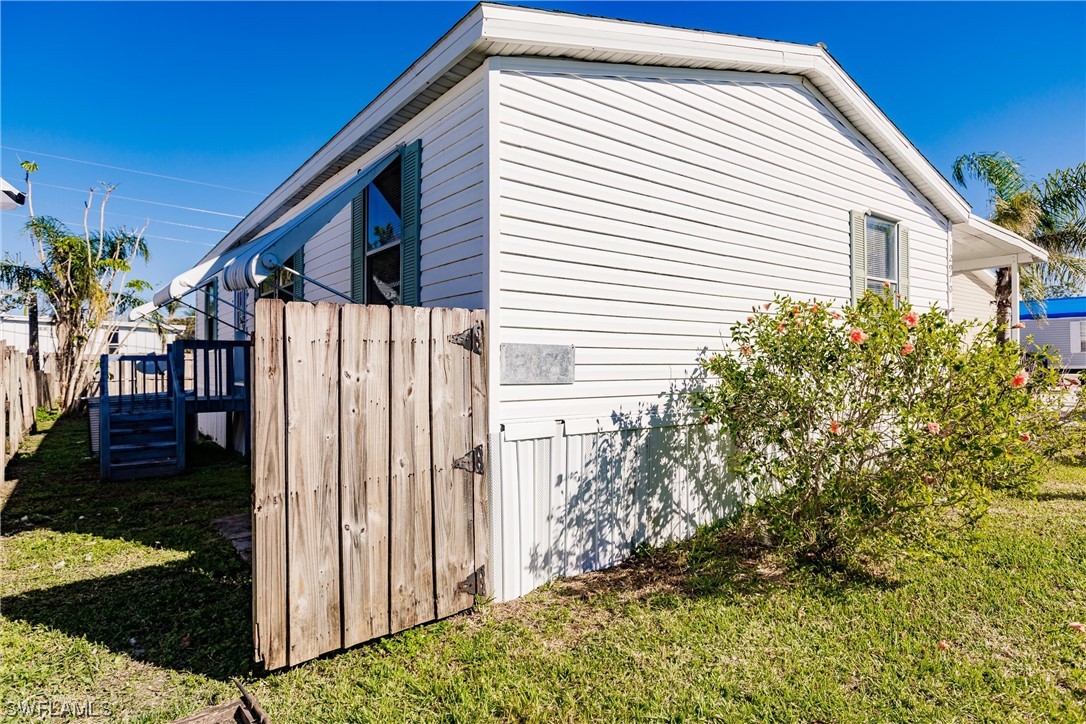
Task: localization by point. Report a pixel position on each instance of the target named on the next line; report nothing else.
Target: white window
(879, 254)
(882, 253)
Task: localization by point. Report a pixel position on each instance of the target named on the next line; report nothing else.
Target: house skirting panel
(564, 504)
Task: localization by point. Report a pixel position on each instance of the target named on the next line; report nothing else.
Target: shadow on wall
(643, 477)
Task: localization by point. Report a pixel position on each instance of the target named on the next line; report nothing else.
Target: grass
(710, 629)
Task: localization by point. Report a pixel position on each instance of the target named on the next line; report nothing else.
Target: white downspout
(1016, 294)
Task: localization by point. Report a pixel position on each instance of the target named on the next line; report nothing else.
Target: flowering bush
(858, 429)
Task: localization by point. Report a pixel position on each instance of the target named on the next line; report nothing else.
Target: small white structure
(616, 195)
(1063, 328)
(125, 338)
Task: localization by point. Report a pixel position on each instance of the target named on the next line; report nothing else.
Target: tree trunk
(33, 347)
(1003, 303)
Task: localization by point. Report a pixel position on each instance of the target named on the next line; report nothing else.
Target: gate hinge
(475, 583)
(472, 461)
(470, 339)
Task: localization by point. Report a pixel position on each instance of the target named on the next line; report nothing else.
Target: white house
(124, 336)
(620, 192)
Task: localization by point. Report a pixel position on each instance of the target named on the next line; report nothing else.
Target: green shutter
(211, 310)
(903, 260)
(859, 254)
(298, 264)
(411, 188)
(358, 247)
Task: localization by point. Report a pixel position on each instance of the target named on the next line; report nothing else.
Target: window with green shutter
(285, 285)
(880, 255)
(211, 309)
(385, 234)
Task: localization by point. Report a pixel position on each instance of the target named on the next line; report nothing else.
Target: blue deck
(148, 403)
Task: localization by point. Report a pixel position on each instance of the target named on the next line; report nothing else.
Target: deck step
(152, 468)
(139, 446)
(158, 431)
(127, 419)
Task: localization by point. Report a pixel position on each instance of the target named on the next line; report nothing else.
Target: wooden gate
(369, 501)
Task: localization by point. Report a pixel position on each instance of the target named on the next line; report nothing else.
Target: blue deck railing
(193, 376)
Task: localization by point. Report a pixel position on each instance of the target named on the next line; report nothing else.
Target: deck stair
(148, 403)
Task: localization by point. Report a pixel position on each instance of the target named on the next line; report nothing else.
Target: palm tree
(83, 280)
(1051, 214)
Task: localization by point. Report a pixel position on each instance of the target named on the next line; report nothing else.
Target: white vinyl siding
(453, 134)
(973, 296)
(641, 216)
(1060, 334)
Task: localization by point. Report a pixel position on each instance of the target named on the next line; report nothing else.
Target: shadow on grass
(189, 615)
(725, 560)
(1055, 495)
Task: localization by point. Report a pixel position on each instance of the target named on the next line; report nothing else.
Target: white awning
(10, 197)
(246, 266)
(980, 244)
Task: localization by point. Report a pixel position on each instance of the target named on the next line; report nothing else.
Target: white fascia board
(990, 262)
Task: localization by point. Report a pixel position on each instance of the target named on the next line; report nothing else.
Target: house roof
(491, 29)
(980, 244)
(1062, 308)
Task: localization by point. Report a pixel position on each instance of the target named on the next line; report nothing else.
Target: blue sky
(239, 95)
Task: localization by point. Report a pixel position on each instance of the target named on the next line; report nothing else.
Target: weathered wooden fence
(23, 389)
(369, 502)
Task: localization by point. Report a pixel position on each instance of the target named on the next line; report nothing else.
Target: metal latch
(472, 461)
(470, 339)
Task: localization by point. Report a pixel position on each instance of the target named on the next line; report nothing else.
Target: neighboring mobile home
(125, 337)
(1062, 326)
(615, 195)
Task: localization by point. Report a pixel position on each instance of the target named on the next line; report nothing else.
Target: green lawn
(122, 593)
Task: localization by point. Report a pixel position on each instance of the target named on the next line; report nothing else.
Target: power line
(169, 223)
(79, 224)
(143, 201)
(132, 170)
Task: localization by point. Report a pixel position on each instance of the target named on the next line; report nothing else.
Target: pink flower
(1025, 437)
(746, 350)
(933, 428)
(835, 315)
(766, 306)
(750, 320)
(1020, 379)
(835, 428)
(780, 328)
(857, 335)
(795, 310)
(908, 348)
(815, 308)
(910, 319)
(1020, 325)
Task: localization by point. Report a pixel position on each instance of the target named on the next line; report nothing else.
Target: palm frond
(1062, 196)
(999, 172)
